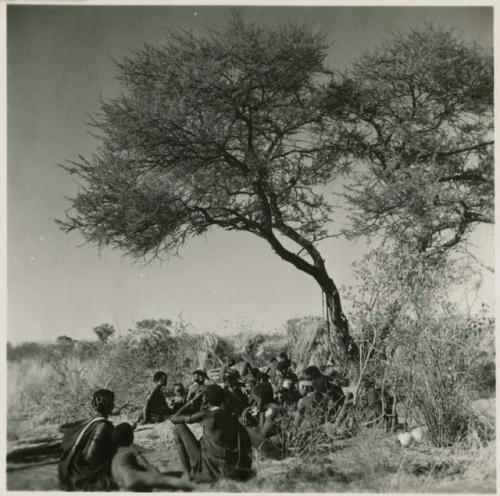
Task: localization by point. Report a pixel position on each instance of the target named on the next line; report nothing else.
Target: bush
(414, 343)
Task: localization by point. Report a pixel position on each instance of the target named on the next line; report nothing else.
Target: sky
(59, 65)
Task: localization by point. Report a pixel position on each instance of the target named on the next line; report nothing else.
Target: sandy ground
(373, 462)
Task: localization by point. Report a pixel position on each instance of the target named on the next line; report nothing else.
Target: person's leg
(187, 446)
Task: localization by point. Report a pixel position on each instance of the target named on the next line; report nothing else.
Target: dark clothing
(85, 464)
(176, 403)
(236, 401)
(223, 451)
(336, 395)
(264, 430)
(156, 409)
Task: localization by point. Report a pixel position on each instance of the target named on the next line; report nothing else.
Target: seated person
(235, 399)
(288, 398)
(377, 408)
(250, 382)
(317, 407)
(334, 390)
(261, 422)
(224, 450)
(196, 387)
(130, 469)
(284, 360)
(178, 399)
(87, 449)
(156, 408)
(284, 373)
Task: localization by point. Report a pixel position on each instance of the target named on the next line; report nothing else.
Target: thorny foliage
(211, 131)
(417, 345)
(418, 114)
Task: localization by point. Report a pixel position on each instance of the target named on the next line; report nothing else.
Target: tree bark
(344, 350)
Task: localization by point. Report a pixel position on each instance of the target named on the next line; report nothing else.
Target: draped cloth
(214, 461)
(85, 464)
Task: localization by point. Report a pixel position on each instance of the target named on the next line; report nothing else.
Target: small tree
(160, 326)
(104, 332)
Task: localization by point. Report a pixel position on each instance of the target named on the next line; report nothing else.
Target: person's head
(282, 368)
(103, 401)
(214, 395)
(199, 376)
(262, 394)
(283, 356)
(179, 390)
(250, 382)
(311, 372)
(232, 379)
(283, 395)
(122, 435)
(160, 378)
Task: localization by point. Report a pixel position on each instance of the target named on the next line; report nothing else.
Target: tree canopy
(246, 129)
(418, 113)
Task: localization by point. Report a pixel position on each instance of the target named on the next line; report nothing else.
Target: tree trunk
(344, 350)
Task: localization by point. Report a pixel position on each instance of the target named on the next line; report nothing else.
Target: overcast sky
(59, 66)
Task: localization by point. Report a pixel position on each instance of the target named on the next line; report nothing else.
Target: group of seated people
(244, 413)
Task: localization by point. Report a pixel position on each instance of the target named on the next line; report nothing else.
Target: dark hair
(283, 354)
(122, 435)
(283, 366)
(102, 399)
(159, 375)
(264, 391)
(312, 371)
(214, 395)
(200, 372)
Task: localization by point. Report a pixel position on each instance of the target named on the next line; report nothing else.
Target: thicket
(428, 353)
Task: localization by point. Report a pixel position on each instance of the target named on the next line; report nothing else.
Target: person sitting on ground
(334, 390)
(377, 407)
(263, 375)
(250, 383)
(261, 422)
(283, 359)
(87, 449)
(178, 399)
(130, 469)
(235, 400)
(194, 390)
(285, 373)
(224, 449)
(314, 408)
(288, 397)
(156, 408)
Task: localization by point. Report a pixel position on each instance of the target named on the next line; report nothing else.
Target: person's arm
(268, 424)
(147, 407)
(131, 479)
(301, 407)
(187, 419)
(180, 418)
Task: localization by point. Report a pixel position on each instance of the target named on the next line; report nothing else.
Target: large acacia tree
(225, 131)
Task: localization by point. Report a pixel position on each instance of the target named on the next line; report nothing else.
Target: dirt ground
(373, 461)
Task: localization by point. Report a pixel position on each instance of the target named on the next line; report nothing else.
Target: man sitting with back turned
(87, 449)
(223, 451)
(130, 469)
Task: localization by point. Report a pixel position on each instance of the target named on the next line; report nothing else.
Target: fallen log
(28, 453)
